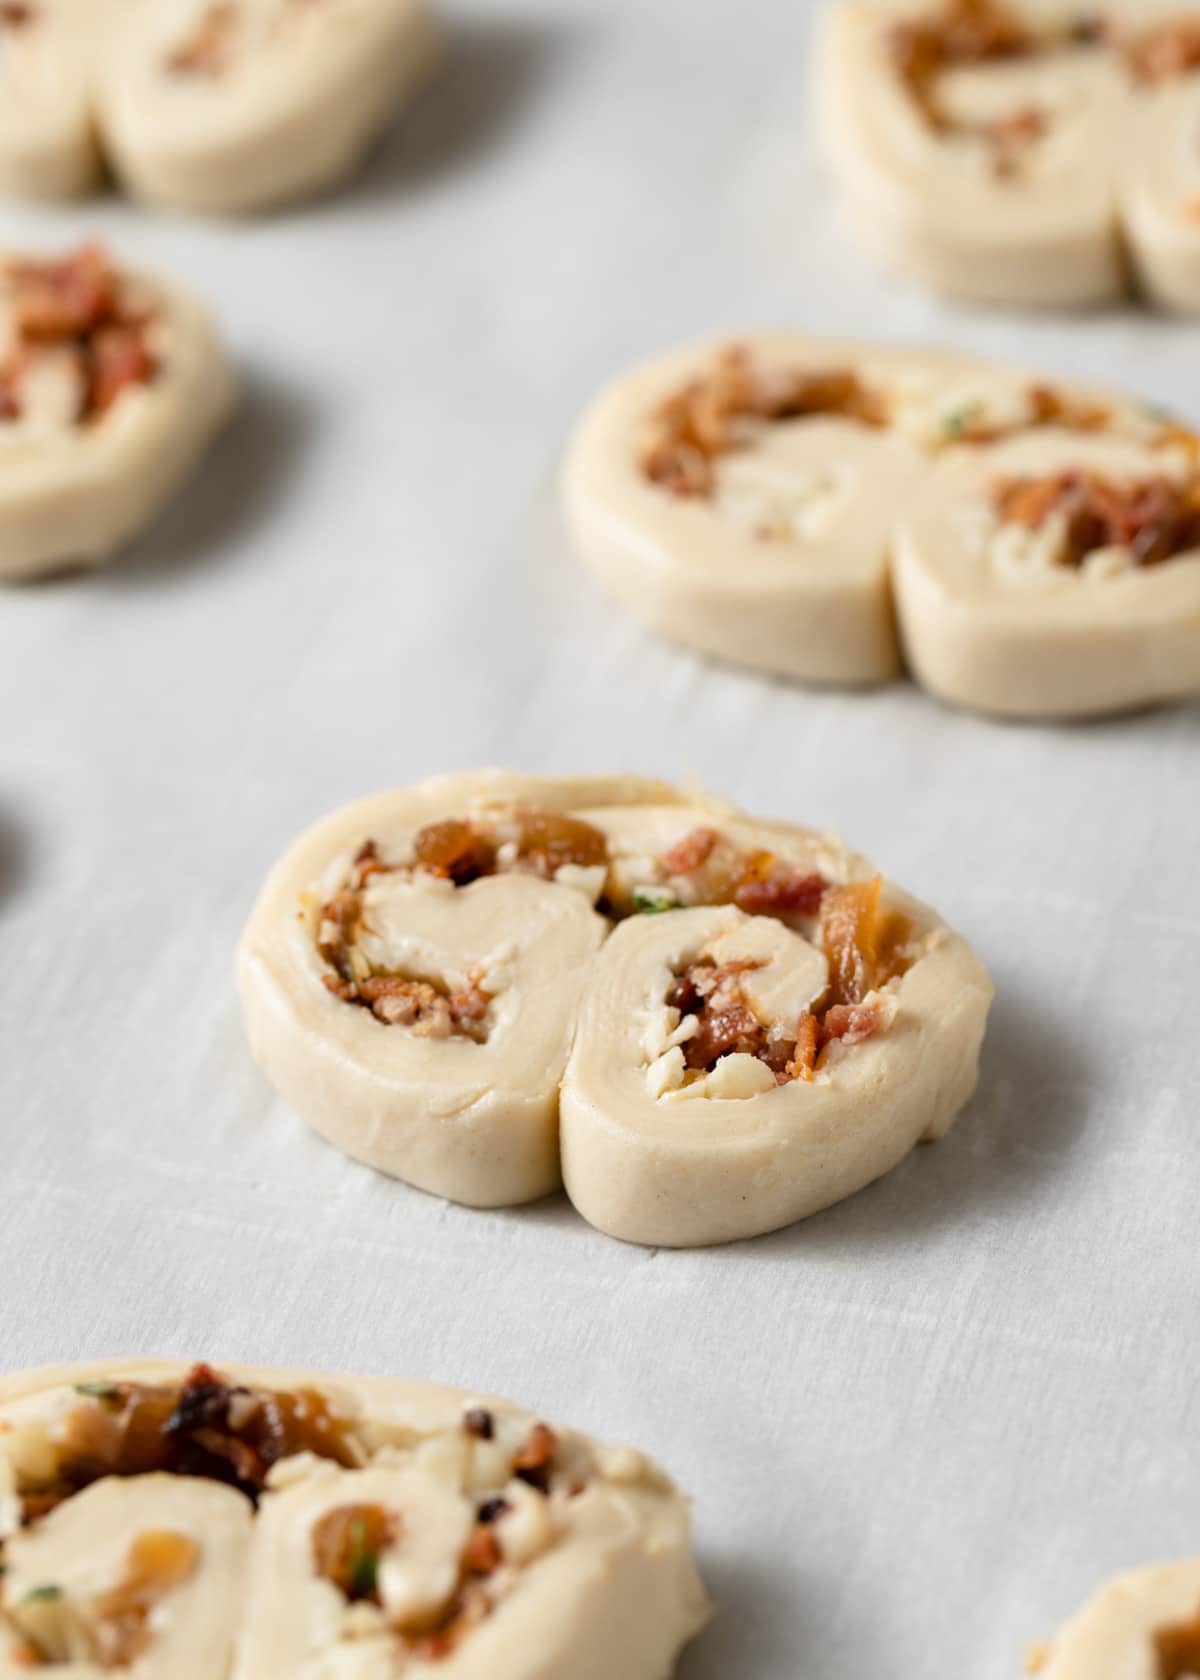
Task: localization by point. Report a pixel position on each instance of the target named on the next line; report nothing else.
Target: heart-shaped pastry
(746, 499)
(745, 1021)
(112, 385)
(1144, 1624)
(247, 1524)
(1014, 151)
(224, 106)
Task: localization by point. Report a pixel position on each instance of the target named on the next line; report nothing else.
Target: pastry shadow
(16, 854)
(230, 491)
(486, 73)
(1019, 1130)
(747, 1601)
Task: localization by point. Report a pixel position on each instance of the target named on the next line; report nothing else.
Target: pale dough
(219, 106)
(48, 143)
(788, 558)
(1114, 1636)
(1112, 169)
(593, 1575)
(642, 1158)
(308, 86)
(74, 492)
(1001, 628)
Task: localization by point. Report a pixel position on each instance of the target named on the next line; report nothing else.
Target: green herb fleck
(364, 1563)
(955, 424)
(652, 901)
(105, 1391)
(42, 1595)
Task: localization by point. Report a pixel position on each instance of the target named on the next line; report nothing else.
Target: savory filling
(704, 867)
(1045, 406)
(1178, 1650)
(1166, 51)
(865, 947)
(721, 411)
(973, 32)
(966, 33)
(510, 1528)
(1078, 514)
(79, 336)
(201, 1427)
(510, 1470)
(114, 1628)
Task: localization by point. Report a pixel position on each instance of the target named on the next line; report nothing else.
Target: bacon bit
(1052, 408)
(14, 14)
(480, 1423)
(482, 1554)
(456, 850)
(158, 1562)
(119, 358)
(783, 892)
(1178, 1650)
(695, 848)
(69, 298)
(346, 1546)
(208, 50)
(700, 422)
(535, 1461)
(803, 1064)
(75, 303)
(415, 1004)
(1166, 52)
(851, 1023)
(1154, 519)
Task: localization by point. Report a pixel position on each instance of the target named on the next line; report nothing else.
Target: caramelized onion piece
(158, 1562)
(549, 840)
(1178, 1650)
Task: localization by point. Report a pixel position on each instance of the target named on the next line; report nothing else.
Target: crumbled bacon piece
(851, 1023)
(482, 1554)
(14, 14)
(700, 422)
(687, 854)
(415, 1004)
(75, 305)
(1178, 1650)
(803, 1063)
(118, 357)
(69, 298)
(781, 892)
(208, 50)
(1167, 51)
(535, 1461)
(1153, 518)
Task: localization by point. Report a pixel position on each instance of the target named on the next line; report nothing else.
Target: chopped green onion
(652, 901)
(364, 1563)
(98, 1390)
(42, 1595)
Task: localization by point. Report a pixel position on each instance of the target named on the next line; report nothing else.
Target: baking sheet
(918, 1428)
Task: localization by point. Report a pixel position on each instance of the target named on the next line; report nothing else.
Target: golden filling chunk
(1153, 519)
(1178, 1650)
(201, 1427)
(715, 414)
